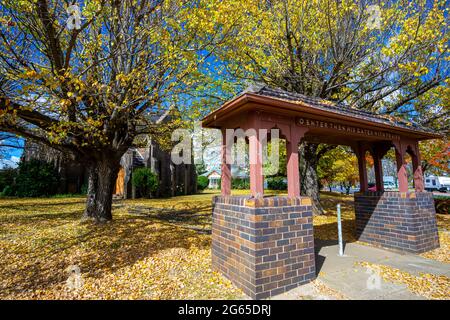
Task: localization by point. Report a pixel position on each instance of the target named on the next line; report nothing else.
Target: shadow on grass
(197, 218)
(39, 259)
(41, 241)
(29, 207)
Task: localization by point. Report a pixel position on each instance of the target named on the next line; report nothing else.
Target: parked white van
(435, 183)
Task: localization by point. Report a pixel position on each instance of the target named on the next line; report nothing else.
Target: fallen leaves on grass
(442, 253)
(146, 252)
(443, 222)
(153, 249)
(426, 285)
(325, 226)
(171, 274)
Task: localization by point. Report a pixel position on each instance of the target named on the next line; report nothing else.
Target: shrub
(36, 179)
(442, 204)
(145, 181)
(7, 192)
(84, 188)
(7, 177)
(277, 183)
(441, 196)
(202, 182)
(240, 183)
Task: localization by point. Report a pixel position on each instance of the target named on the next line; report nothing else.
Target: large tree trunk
(102, 179)
(89, 211)
(309, 183)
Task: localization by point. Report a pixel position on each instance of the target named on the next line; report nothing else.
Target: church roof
(138, 158)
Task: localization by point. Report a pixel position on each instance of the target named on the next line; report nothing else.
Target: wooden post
(255, 150)
(225, 181)
(378, 170)
(361, 154)
(417, 169)
(401, 170)
(293, 174)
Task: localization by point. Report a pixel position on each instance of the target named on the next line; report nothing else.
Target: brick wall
(404, 221)
(264, 246)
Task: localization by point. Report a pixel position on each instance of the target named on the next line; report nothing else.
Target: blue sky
(11, 158)
(12, 155)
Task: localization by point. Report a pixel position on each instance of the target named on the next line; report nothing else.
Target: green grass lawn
(153, 249)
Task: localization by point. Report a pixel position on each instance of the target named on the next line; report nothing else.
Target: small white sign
(74, 19)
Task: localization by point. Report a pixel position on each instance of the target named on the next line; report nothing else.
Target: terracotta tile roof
(340, 108)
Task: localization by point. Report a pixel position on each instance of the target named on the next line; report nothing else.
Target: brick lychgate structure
(404, 221)
(265, 245)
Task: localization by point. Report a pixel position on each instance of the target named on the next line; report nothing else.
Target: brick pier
(403, 221)
(264, 246)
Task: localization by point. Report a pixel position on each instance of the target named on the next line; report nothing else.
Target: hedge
(442, 204)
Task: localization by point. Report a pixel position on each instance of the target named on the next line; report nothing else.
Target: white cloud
(15, 159)
(11, 162)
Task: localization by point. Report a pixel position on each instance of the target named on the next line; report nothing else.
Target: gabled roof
(208, 173)
(339, 108)
(267, 95)
(138, 158)
(165, 115)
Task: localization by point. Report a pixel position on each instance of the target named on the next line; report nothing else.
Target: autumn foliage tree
(89, 88)
(435, 156)
(347, 171)
(391, 59)
(325, 169)
(339, 165)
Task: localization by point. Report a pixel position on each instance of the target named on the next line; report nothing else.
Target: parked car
(388, 185)
(435, 183)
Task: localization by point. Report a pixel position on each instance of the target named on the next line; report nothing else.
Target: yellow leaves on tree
(347, 170)
(339, 165)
